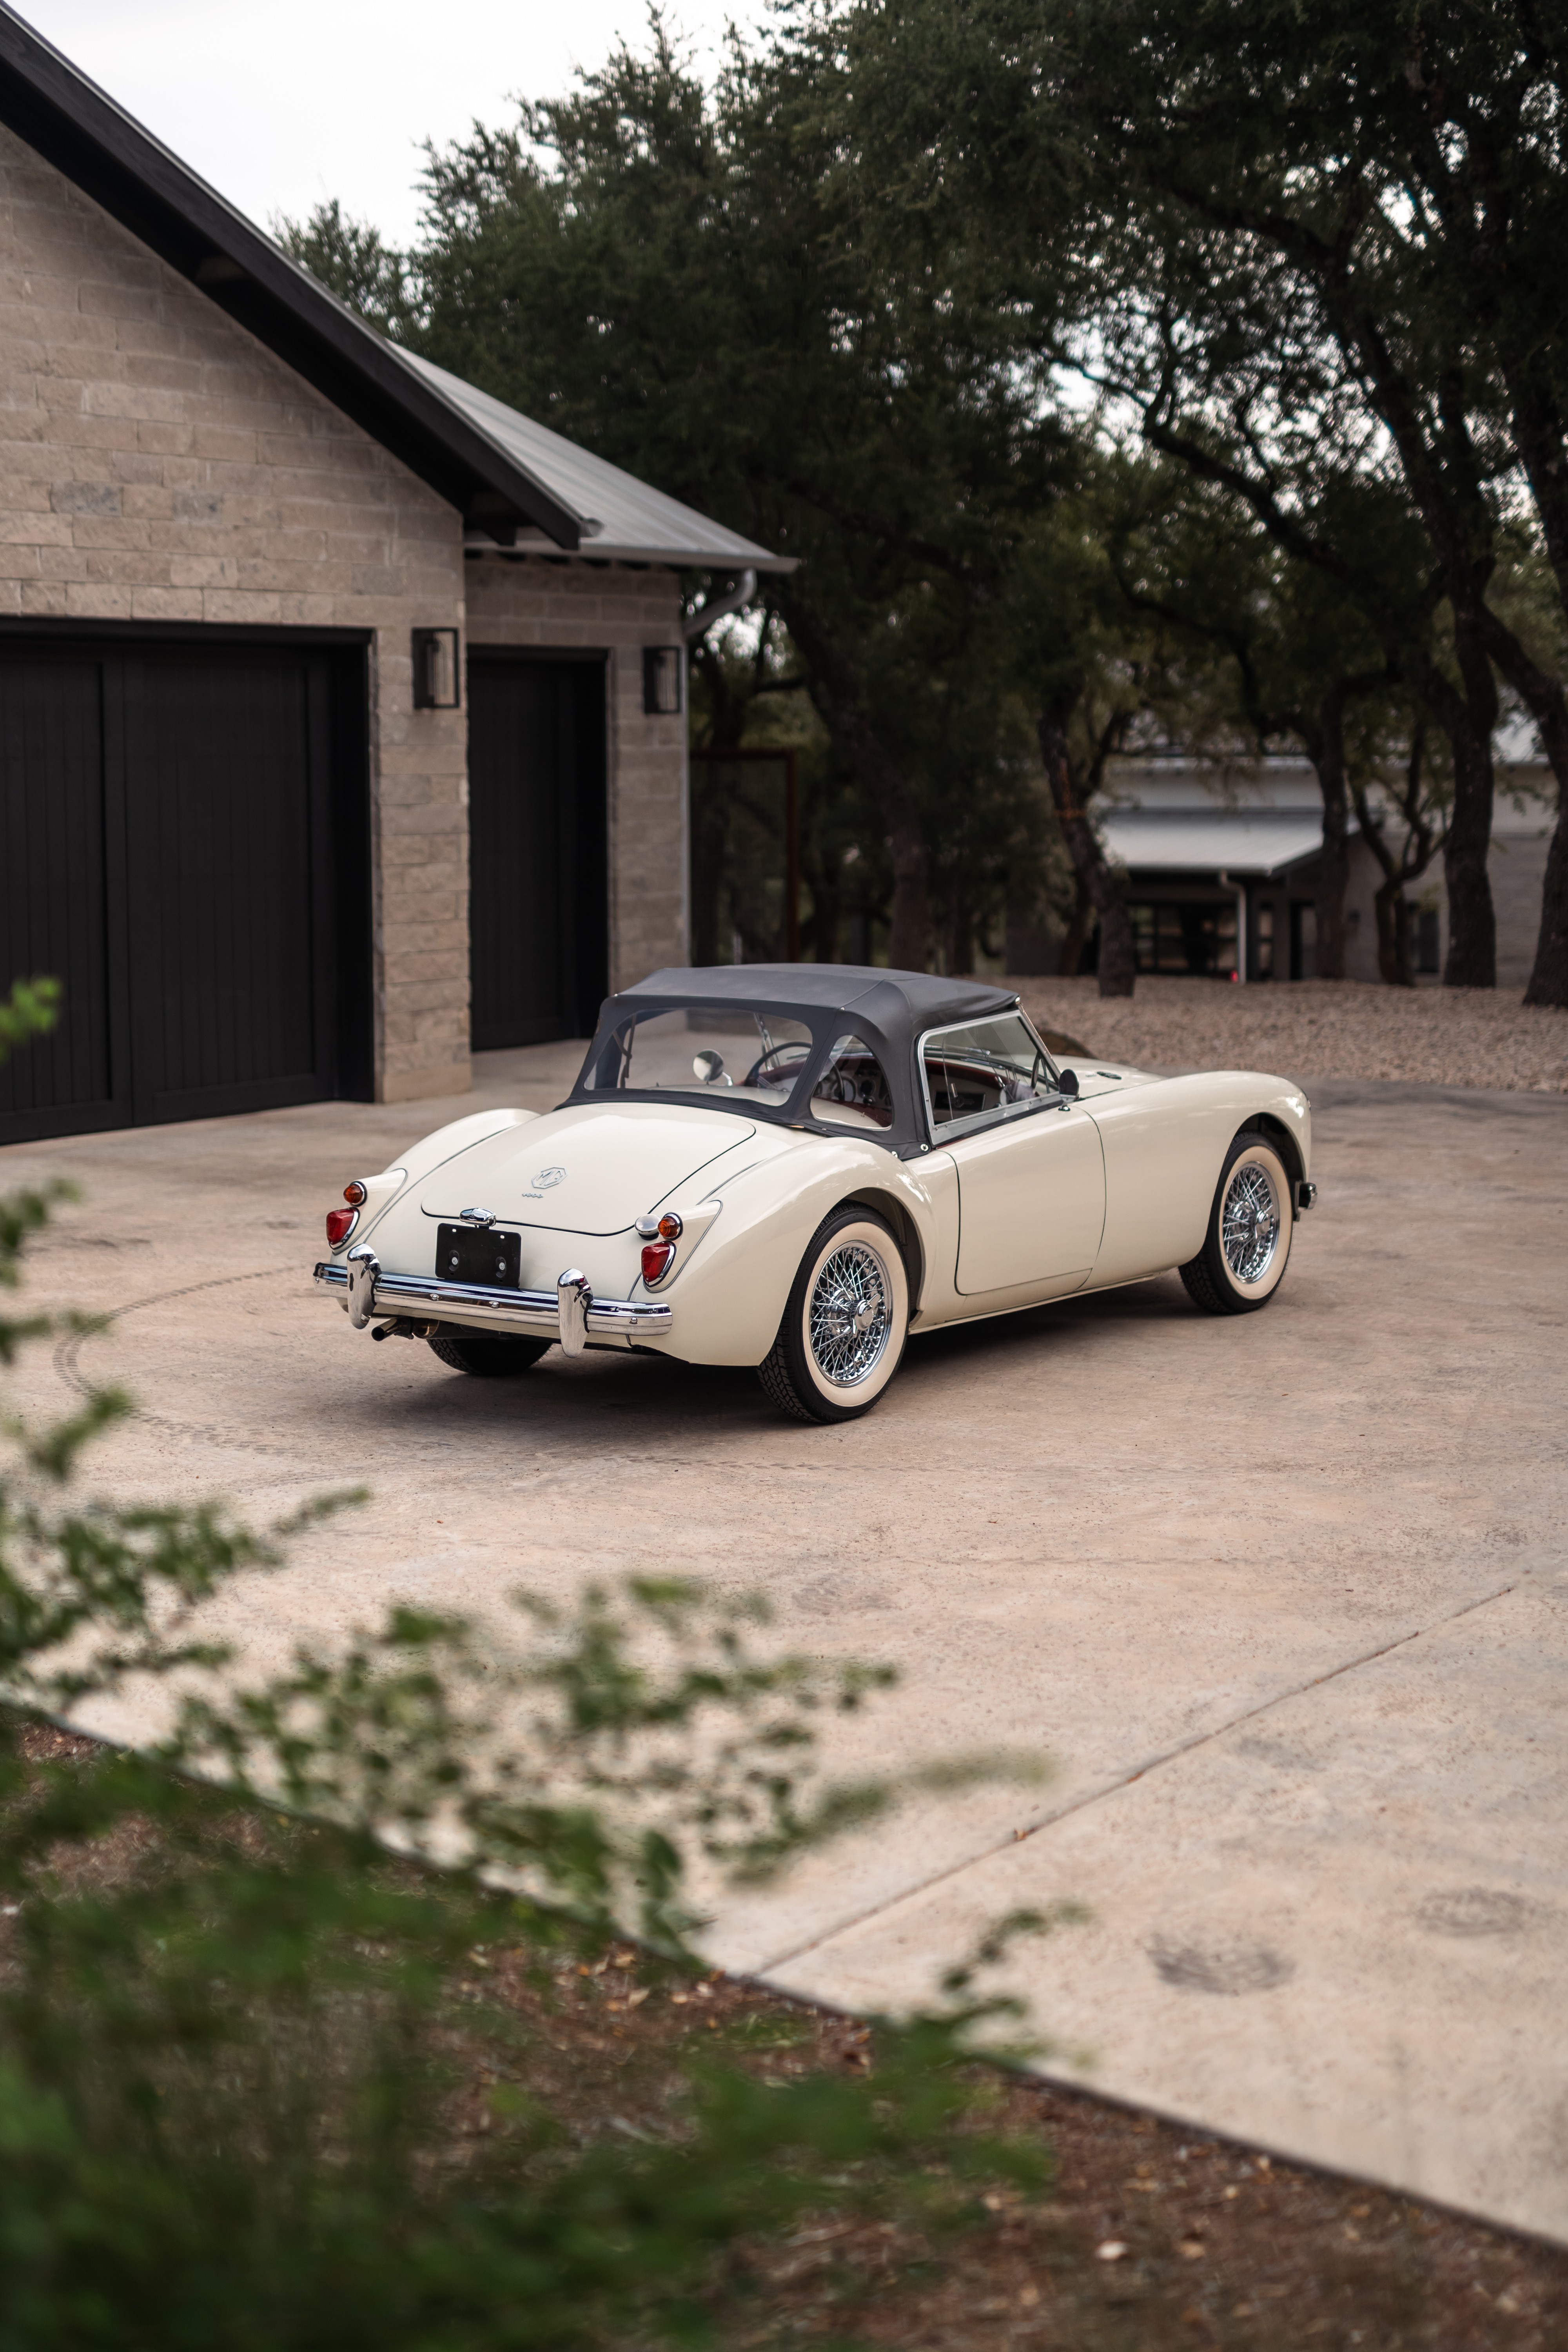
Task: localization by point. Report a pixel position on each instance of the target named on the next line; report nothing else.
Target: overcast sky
(281, 104)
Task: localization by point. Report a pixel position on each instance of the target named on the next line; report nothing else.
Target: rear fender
(729, 1303)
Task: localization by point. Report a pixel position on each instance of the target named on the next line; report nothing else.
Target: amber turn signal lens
(341, 1224)
(656, 1260)
(355, 1194)
(670, 1226)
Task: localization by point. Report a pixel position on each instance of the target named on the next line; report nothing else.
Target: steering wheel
(777, 1059)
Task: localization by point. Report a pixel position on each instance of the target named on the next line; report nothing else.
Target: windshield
(741, 1058)
(984, 1067)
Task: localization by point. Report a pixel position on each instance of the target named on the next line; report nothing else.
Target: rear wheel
(1247, 1246)
(844, 1328)
(493, 1355)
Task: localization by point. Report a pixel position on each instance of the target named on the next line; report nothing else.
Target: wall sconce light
(661, 672)
(437, 681)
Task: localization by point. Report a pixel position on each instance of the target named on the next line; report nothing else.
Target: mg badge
(547, 1179)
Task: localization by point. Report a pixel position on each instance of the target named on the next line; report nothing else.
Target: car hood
(584, 1169)
(1104, 1077)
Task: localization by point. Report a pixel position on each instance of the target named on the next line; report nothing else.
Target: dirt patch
(1152, 2236)
(1316, 1029)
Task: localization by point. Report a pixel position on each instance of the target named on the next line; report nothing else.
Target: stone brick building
(341, 707)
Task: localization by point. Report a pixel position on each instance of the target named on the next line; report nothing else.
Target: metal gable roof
(1194, 841)
(503, 473)
(618, 514)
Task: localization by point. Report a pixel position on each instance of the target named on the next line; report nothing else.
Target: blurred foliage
(243, 2004)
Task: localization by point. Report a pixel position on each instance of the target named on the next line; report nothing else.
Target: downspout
(698, 625)
(1240, 888)
(703, 620)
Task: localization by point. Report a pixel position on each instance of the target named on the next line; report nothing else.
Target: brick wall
(158, 464)
(532, 600)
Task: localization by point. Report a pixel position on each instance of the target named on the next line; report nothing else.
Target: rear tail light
(655, 1259)
(341, 1223)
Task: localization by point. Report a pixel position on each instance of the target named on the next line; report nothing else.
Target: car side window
(853, 1090)
(984, 1068)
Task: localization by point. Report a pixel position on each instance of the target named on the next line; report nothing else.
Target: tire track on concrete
(68, 1351)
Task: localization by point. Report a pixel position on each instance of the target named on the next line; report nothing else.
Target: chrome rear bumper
(536, 1313)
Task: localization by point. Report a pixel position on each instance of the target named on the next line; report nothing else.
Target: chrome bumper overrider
(570, 1313)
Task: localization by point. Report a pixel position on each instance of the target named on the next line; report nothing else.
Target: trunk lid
(585, 1170)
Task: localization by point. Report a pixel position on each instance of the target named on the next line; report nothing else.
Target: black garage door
(538, 879)
(182, 844)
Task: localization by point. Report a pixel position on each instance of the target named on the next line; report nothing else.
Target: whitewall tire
(843, 1332)
(1247, 1246)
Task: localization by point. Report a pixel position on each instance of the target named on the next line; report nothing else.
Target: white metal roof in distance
(621, 518)
(1202, 841)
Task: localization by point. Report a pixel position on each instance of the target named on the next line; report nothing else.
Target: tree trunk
(1118, 971)
(1472, 922)
(1538, 431)
(1395, 961)
(1334, 864)
(1467, 720)
(1073, 945)
(908, 937)
(1549, 977)
(825, 917)
(1395, 942)
(836, 691)
(1543, 698)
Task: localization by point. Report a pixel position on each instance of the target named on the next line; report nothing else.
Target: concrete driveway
(1286, 1597)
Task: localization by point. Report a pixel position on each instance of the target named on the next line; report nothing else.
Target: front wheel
(1247, 1246)
(844, 1328)
(493, 1355)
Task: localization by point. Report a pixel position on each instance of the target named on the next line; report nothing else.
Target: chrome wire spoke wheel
(841, 1337)
(850, 1315)
(1249, 1223)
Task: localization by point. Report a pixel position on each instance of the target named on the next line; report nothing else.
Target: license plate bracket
(480, 1256)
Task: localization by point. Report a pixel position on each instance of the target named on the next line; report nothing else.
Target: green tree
(1304, 244)
(682, 280)
(1295, 658)
(354, 260)
(1416, 798)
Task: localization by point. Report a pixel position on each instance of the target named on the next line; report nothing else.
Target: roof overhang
(1246, 846)
(75, 126)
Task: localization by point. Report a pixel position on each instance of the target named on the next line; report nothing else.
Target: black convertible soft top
(890, 1010)
(921, 1002)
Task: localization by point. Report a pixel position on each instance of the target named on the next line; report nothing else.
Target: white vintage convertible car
(797, 1166)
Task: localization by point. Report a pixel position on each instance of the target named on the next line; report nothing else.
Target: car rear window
(703, 1054)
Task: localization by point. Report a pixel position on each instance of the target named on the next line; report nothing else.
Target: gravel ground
(1316, 1029)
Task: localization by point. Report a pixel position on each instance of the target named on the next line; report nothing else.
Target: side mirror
(1067, 1082)
(710, 1067)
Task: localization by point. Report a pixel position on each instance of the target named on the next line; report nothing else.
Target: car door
(1031, 1173)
